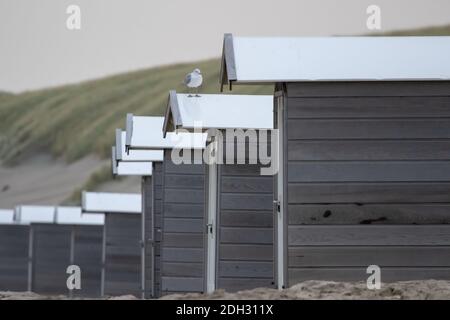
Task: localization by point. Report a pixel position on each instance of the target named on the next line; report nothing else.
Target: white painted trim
(211, 228)
(280, 192)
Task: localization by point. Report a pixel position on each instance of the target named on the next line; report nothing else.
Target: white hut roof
(74, 216)
(130, 168)
(270, 60)
(35, 214)
(219, 111)
(134, 155)
(147, 133)
(105, 202)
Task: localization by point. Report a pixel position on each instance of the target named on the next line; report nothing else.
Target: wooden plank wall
(151, 189)
(53, 253)
(183, 224)
(14, 243)
(246, 236)
(88, 241)
(123, 254)
(368, 180)
(51, 257)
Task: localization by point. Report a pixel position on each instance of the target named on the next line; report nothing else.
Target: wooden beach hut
(239, 197)
(364, 130)
(14, 242)
(60, 237)
(178, 204)
(121, 245)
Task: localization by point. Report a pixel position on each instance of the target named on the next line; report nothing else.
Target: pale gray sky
(37, 50)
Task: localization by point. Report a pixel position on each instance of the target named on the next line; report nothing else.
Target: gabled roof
(134, 155)
(218, 111)
(147, 133)
(130, 168)
(105, 202)
(271, 60)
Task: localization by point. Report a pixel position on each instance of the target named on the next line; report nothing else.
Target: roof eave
(228, 65)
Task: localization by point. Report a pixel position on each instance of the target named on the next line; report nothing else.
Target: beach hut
(141, 163)
(239, 197)
(14, 242)
(122, 249)
(58, 238)
(364, 131)
(179, 202)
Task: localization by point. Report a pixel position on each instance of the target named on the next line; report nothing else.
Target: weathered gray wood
(368, 89)
(261, 184)
(246, 218)
(369, 150)
(123, 254)
(246, 269)
(183, 254)
(373, 107)
(14, 240)
(239, 284)
(361, 256)
(181, 284)
(51, 257)
(375, 235)
(364, 171)
(246, 235)
(183, 240)
(88, 256)
(194, 196)
(183, 211)
(251, 252)
(359, 274)
(382, 213)
(369, 193)
(184, 181)
(424, 128)
(176, 270)
(237, 201)
(184, 225)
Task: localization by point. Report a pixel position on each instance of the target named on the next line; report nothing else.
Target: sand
(43, 180)
(421, 290)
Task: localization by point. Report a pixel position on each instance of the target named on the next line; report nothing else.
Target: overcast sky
(37, 50)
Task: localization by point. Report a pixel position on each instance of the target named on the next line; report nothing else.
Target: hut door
(211, 225)
(278, 203)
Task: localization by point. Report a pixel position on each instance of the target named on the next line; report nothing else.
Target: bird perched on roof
(194, 80)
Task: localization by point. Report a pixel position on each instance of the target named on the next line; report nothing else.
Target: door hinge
(209, 228)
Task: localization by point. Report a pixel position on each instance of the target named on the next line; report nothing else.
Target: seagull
(194, 80)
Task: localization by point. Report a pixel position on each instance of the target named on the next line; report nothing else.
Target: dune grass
(76, 120)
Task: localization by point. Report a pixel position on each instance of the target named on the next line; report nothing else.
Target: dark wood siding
(360, 154)
(151, 192)
(14, 243)
(183, 209)
(55, 247)
(87, 254)
(122, 254)
(51, 257)
(245, 241)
